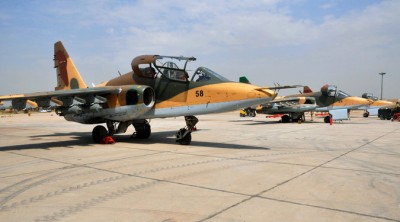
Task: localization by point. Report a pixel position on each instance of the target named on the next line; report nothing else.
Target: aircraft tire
(99, 132)
(253, 113)
(186, 140)
(144, 133)
(285, 118)
(366, 114)
(327, 119)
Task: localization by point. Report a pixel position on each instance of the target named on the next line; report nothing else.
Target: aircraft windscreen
(203, 74)
(342, 94)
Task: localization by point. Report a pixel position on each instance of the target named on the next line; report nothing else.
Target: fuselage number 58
(199, 93)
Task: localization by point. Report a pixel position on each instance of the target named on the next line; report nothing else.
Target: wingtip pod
(68, 76)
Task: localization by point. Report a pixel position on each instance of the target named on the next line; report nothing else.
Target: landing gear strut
(299, 118)
(100, 134)
(184, 135)
(143, 129)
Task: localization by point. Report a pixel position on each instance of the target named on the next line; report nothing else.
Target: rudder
(307, 89)
(68, 76)
(243, 79)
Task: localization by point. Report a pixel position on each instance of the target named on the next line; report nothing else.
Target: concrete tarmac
(236, 169)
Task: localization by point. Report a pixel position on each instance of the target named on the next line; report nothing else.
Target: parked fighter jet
(157, 87)
(294, 106)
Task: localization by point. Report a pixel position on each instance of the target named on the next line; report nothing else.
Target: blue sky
(341, 42)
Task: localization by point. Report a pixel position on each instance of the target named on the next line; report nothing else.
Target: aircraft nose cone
(382, 103)
(259, 94)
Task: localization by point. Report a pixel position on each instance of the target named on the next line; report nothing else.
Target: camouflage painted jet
(294, 106)
(157, 87)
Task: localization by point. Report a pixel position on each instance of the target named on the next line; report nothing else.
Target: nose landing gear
(184, 135)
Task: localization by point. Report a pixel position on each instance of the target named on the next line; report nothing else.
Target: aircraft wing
(294, 100)
(277, 87)
(62, 97)
(289, 105)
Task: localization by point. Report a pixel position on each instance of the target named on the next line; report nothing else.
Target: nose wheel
(184, 135)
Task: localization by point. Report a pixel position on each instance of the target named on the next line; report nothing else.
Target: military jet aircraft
(157, 87)
(328, 98)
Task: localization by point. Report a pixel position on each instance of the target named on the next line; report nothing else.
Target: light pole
(382, 73)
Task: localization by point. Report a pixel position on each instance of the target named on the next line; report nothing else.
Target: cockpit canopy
(173, 68)
(329, 90)
(332, 91)
(341, 94)
(369, 96)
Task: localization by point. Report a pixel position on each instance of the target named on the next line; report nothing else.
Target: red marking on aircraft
(62, 66)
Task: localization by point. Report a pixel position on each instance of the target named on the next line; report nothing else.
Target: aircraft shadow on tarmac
(274, 123)
(168, 137)
(83, 139)
(258, 122)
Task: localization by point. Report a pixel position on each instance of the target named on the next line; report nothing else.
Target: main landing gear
(142, 128)
(293, 117)
(184, 135)
(101, 135)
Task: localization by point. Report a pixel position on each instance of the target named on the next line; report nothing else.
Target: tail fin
(307, 89)
(68, 76)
